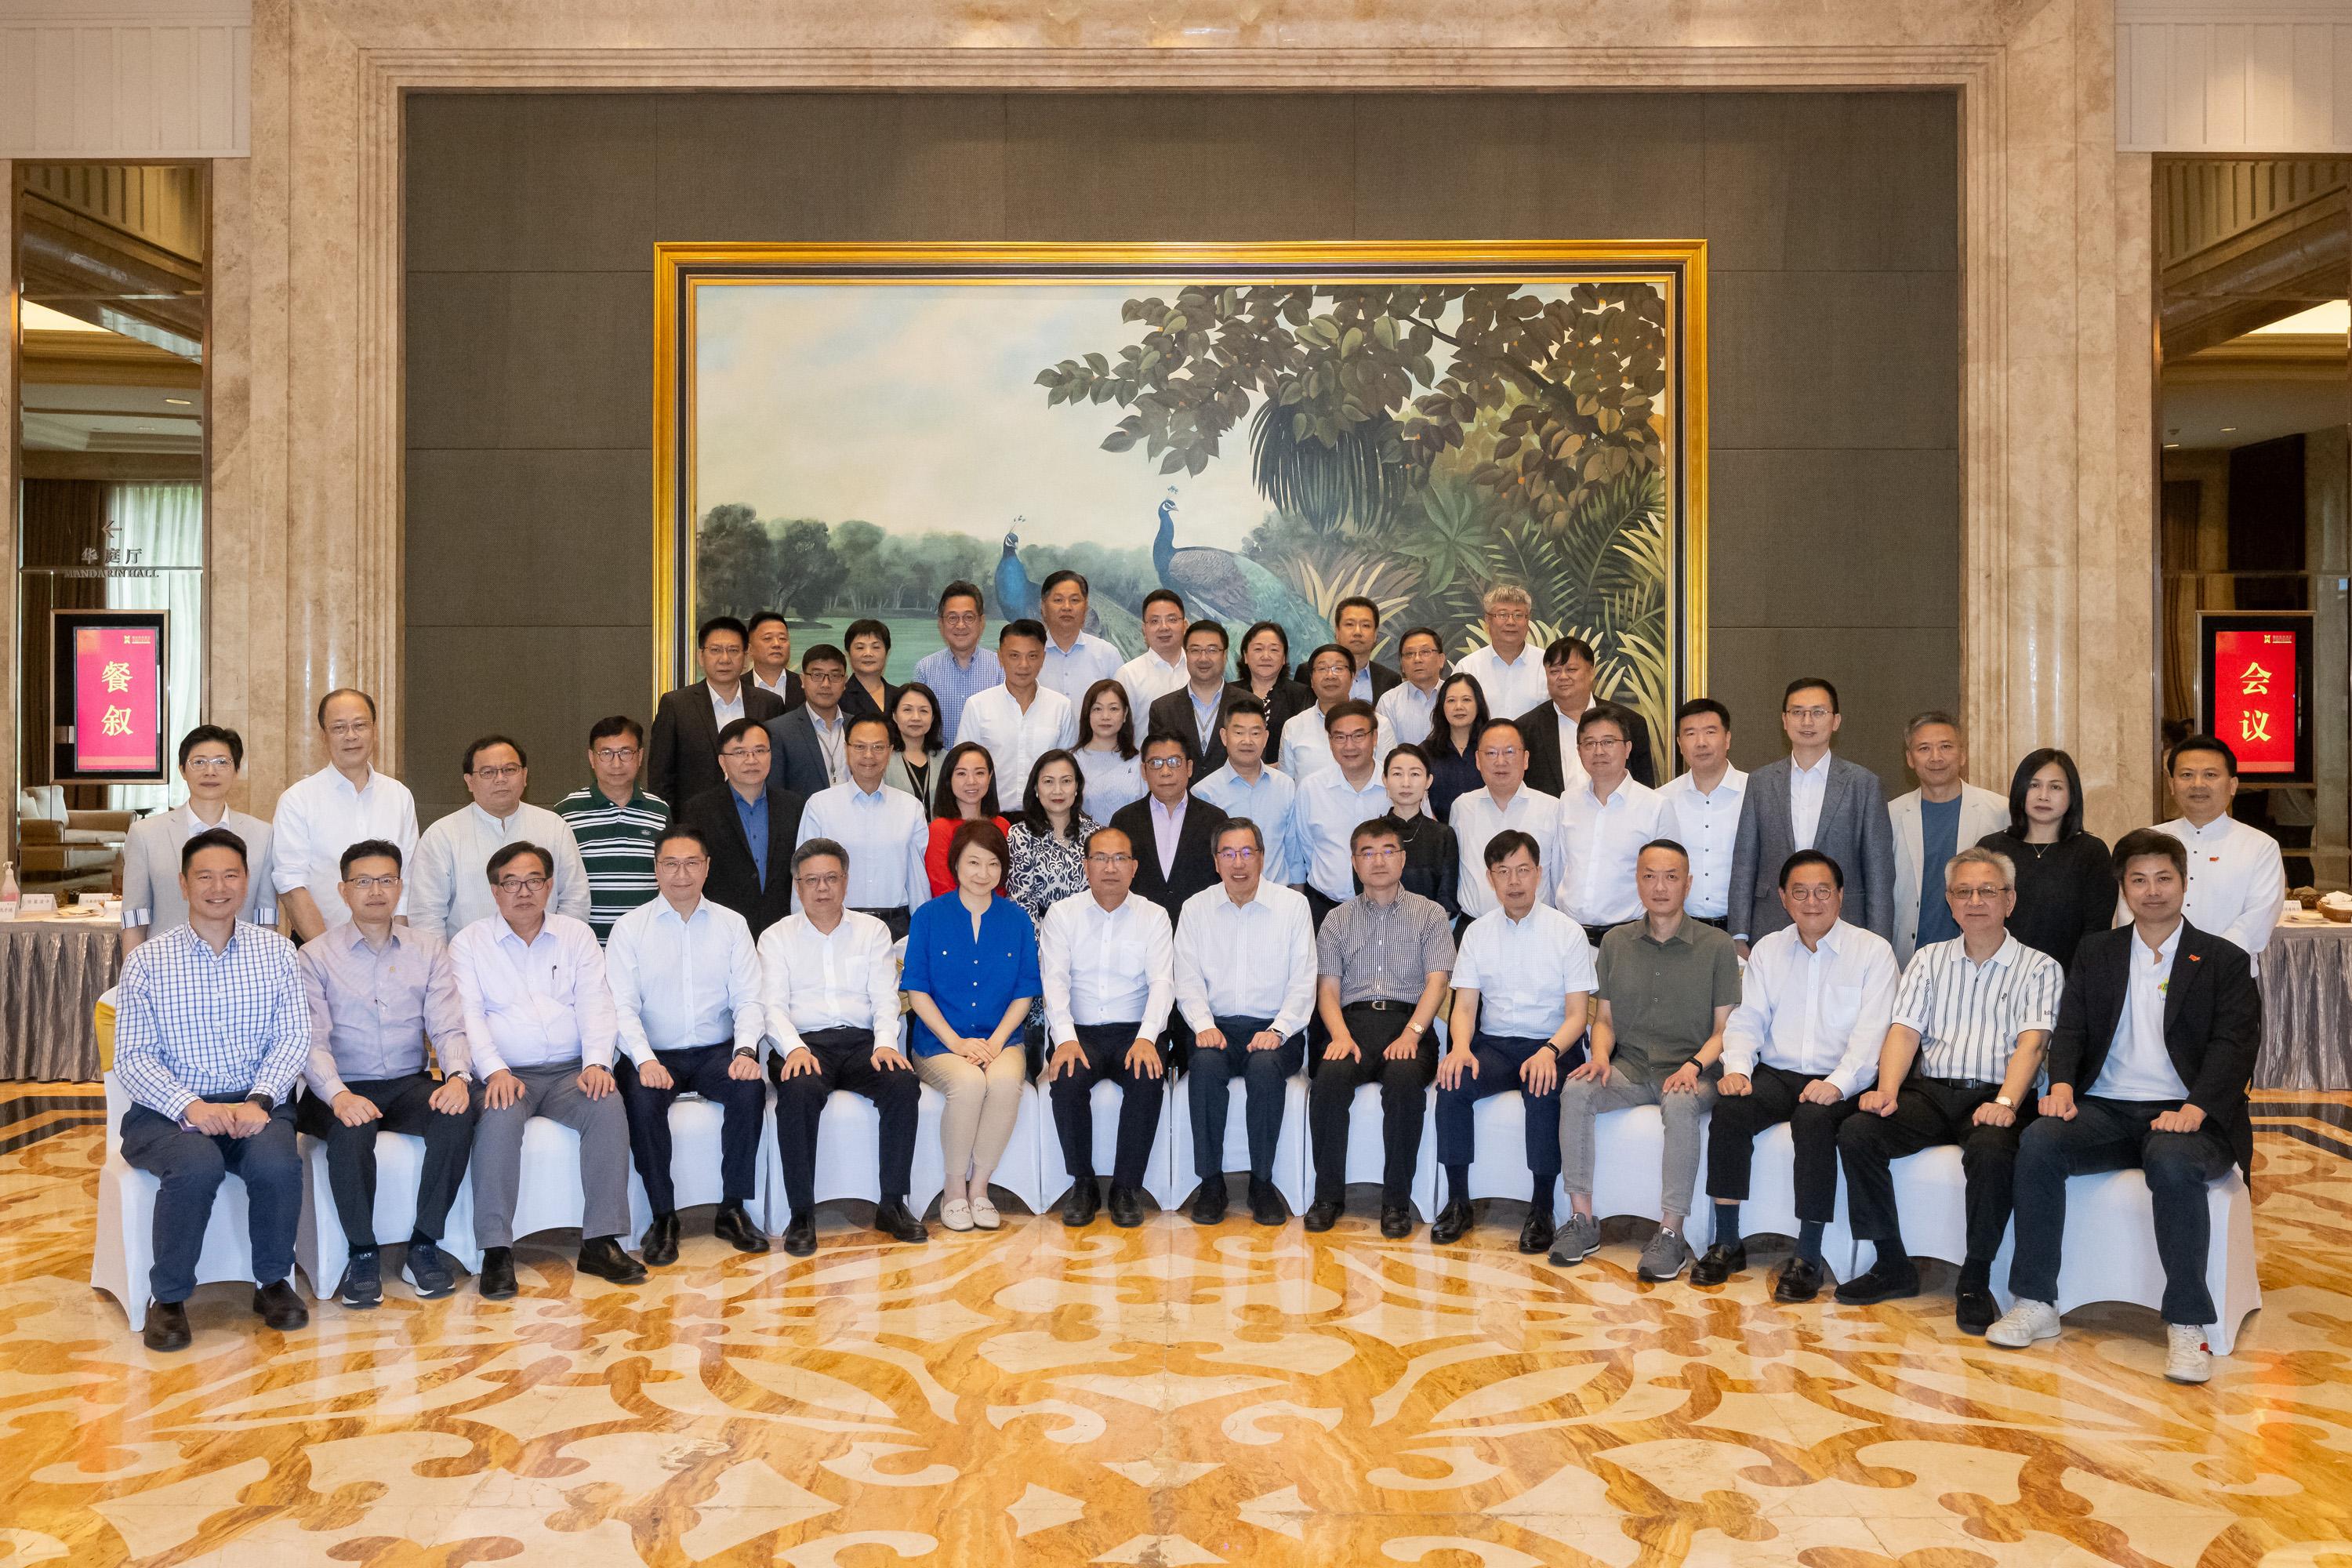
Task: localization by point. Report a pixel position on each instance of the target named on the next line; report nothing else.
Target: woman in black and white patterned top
(1049, 845)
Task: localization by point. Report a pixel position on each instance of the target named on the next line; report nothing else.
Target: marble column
(9, 659)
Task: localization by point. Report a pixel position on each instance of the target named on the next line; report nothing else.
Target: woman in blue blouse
(971, 970)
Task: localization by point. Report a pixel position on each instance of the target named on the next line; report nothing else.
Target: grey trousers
(1580, 1101)
(555, 1093)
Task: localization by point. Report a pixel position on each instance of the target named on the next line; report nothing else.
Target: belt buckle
(1380, 1004)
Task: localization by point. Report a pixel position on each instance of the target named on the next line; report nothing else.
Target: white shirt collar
(2171, 945)
(1816, 771)
(500, 823)
(670, 910)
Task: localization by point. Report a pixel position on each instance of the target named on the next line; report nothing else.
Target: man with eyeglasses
(1504, 801)
(1171, 832)
(751, 824)
(1605, 820)
(449, 891)
(1245, 983)
(614, 823)
(1206, 698)
(1382, 963)
(1331, 804)
(885, 830)
(1410, 707)
(1246, 787)
(831, 984)
(321, 816)
(1306, 749)
(685, 1001)
(1107, 960)
(1810, 799)
(1814, 1006)
(682, 762)
(541, 1026)
(1958, 1066)
(381, 995)
(960, 667)
(1508, 671)
(210, 757)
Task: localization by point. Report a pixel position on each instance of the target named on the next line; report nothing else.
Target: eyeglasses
(1975, 895)
(522, 884)
(820, 881)
(1599, 743)
(345, 729)
(680, 865)
(497, 775)
(740, 754)
(1237, 854)
(1814, 715)
(1813, 895)
(1352, 735)
(208, 764)
(615, 754)
(1498, 753)
(373, 884)
(1167, 765)
(960, 618)
(1109, 861)
(870, 748)
(1378, 852)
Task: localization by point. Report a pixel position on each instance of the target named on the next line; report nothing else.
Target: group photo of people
(1037, 867)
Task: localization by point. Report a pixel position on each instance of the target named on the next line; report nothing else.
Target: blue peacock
(1016, 597)
(1233, 588)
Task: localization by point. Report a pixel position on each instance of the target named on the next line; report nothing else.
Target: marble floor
(1162, 1396)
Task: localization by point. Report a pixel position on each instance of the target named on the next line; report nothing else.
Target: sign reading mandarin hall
(111, 680)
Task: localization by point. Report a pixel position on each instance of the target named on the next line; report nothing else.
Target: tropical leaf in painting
(1352, 575)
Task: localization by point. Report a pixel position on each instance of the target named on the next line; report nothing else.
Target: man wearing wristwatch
(686, 999)
(378, 993)
(1971, 1021)
(1383, 961)
(210, 1035)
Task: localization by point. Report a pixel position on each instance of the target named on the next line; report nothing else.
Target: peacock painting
(1018, 597)
(1233, 588)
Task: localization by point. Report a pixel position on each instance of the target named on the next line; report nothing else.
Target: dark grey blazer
(1174, 713)
(1855, 831)
(799, 759)
(682, 759)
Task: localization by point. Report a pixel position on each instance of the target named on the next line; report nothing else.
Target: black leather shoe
(660, 1245)
(1081, 1205)
(1322, 1213)
(1209, 1203)
(895, 1220)
(603, 1257)
(278, 1306)
(1536, 1234)
(1452, 1222)
(167, 1327)
(1881, 1283)
(1720, 1263)
(734, 1228)
(1126, 1206)
(496, 1279)
(1266, 1206)
(799, 1234)
(1974, 1308)
(1396, 1221)
(1799, 1281)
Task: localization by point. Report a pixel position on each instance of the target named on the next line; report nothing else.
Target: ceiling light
(2172, 445)
(2226, 429)
(177, 402)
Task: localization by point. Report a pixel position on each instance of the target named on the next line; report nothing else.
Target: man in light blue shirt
(1075, 658)
(962, 666)
(885, 830)
(1245, 786)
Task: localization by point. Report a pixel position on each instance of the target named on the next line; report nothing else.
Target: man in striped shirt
(616, 823)
(1958, 1066)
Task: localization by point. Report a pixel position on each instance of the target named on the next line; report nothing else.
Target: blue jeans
(1499, 1060)
(1266, 1075)
(190, 1165)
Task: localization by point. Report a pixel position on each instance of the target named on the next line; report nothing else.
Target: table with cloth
(2306, 983)
(53, 969)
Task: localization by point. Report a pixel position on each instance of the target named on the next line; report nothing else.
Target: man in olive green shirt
(1667, 987)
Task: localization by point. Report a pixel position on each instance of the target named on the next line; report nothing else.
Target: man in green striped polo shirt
(616, 823)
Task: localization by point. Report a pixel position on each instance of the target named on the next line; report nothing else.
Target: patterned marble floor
(1164, 1396)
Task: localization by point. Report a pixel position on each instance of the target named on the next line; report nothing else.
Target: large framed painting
(842, 430)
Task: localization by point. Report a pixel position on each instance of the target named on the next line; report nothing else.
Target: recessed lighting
(177, 402)
(2226, 429)
(2172, 445)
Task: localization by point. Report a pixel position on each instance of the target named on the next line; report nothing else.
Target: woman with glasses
(966, 791)
(1453, 745)
(2065, 881)
(152, 901)
(971, 975)
(915, 720)
(1105, 751)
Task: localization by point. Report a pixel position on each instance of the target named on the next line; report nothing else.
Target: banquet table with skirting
(53, 969)
(2306, 983)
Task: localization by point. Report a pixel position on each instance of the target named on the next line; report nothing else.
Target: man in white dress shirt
(1245, 983)
(1801, 1047)
(1505, 802)
(1159, 669)
(1021, 719)
(1306, 746)
(1933, 823)
(1331, 806)
(1409, 706)
(1245, 786)
(541, 1030)
(1699, 807)
(321, 816)
(2237, 879)
(685, 998)
(884, 831)
(1075, 658)
(1108, 962)
(446, 890)
(1522, 981)
(831, 988)
(1603, 823)
(1508, 669)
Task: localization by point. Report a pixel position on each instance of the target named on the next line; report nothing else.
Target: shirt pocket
(1129, 958)
(1841, 1007)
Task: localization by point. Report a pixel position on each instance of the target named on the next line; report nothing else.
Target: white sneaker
(956, 1214)
(2024, 1323)
(2185, 1358)
(984, 1216)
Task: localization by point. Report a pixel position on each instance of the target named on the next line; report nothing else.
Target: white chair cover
(694, 1124)
(1289, 1148)
(320, 1245)
(1629, 1148)
(1159, 1172)
(1367, 1157)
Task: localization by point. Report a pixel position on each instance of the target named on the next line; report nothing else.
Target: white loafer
(956, 1214)
(984, 1216)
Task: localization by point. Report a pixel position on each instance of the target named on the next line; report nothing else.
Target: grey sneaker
(2185, 1357)
(1666, 1255)
(1579, 1237)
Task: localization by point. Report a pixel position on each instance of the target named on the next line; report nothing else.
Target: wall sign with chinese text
(109, 697)
(2254, 675)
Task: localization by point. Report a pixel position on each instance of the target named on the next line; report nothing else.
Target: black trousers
(1773, 1098)
(1594, 933)
(351, 1151)
(895, 919)
(1102, 1058)
(1720, 923)
(845, 1059)
(699, 1069)
(1928, 1112)
(1266, 1074)
(2117, 1135)
(1318, 907)
(1499, 1059)
(1331, 1096)
(190, 1166)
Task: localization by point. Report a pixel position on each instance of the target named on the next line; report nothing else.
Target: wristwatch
(262, 1100)
(745, 1051)
(1413, 1028)
(2004, 1102)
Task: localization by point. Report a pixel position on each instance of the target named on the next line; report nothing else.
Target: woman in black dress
(2066, 883)
(1265, 661)
(1454, 723)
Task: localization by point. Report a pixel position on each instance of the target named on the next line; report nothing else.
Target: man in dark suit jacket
(1851, 827)
(771, 658)
(2157, 1032)
(1177, 712)
(805, 736)
(750, 802)
(1569, 668)
(683, 760)
(1356, 626)
(1167, 778)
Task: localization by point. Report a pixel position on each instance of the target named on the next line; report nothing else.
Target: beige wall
(2057, 549)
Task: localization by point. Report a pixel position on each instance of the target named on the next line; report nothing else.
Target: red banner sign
(2253, 678)
(118, 688)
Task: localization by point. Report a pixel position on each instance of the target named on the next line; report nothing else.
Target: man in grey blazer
(682, 761)
(1933, 823)
(1810, 799)
(809, 742)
